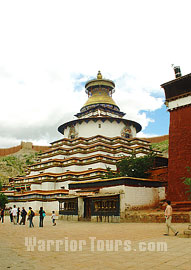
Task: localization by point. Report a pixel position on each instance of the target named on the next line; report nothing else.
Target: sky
(49, 49)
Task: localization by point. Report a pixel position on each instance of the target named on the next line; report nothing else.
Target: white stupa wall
(107, 129)
(50, 185)
(96, 152)
(80, 168)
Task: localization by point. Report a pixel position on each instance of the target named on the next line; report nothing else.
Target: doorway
(87, 209)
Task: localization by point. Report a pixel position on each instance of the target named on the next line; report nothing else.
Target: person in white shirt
(53, 218)
(168, 216)
(14, 213)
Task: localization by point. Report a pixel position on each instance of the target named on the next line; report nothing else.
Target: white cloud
(45, 46)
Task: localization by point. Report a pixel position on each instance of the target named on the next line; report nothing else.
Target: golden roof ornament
(99, 76)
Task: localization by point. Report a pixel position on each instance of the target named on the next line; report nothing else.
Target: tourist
(10, 214)
(18, 214)
(2, 215)
(31, 214)
(14, 213)
(23, 216)
(42, 214)
(53, 218)
(168, 216)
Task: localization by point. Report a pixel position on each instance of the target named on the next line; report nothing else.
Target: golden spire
(99, 76)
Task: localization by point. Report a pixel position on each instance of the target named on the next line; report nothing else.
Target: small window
(99, 125)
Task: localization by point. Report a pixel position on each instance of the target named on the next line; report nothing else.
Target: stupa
(68, 177)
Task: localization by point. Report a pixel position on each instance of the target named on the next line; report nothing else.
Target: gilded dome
(99, 91)
(100, 96)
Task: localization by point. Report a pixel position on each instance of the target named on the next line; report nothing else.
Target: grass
(161, 146)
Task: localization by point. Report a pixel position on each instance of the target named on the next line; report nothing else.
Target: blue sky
(160, 124)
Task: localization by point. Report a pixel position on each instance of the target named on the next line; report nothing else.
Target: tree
(109, 174)
(3, 200)
(133, 166)
(187, 182)
(136, 166)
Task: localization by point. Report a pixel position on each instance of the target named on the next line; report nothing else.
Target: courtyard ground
(92, 246)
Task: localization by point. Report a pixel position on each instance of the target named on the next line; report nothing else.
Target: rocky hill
(16, 164)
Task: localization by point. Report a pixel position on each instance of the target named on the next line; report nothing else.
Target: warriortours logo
(93, 244)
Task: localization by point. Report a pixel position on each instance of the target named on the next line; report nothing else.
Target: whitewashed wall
(47, 206)
(143, 196)
(91, 128)
(136, 196)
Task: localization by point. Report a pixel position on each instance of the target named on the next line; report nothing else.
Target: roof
(181, 86)
(99, 97)
(99, 82)
(127, 181)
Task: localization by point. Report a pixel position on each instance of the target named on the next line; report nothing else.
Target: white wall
(47, 206)
(48, 185)
(91, 128)
(36, 187)
(143, 196)
(179, 102)
(135, 196)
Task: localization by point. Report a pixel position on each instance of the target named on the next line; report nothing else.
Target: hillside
(161, 146)
(16, 164)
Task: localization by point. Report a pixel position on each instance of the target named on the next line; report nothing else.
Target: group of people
(15, 214)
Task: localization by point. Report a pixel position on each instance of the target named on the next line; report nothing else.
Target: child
(53, 217)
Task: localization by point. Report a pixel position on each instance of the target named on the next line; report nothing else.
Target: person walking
(31, 214)
(23, 216)
(53, 217)
(10, 214)
(42, 214)
(18, 214)
(14, 213)
(2, 215)
(168, 216)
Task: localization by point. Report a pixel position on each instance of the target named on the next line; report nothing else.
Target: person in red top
(168, 216)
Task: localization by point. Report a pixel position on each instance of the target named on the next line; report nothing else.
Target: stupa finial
(99, 76)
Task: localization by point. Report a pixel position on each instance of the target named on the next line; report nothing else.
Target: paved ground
(92, 246)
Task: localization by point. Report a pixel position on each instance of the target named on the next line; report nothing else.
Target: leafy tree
(1, 185)
(3, 200)
(136, 166)
(109, 174)
(133, 166)
(187, 182)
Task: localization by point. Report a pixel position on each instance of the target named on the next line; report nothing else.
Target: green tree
(132, 166)
(187, 182)
(3, 200)
(109, 174)
(136, 166)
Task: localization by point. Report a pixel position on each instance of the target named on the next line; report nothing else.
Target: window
(99, 125)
